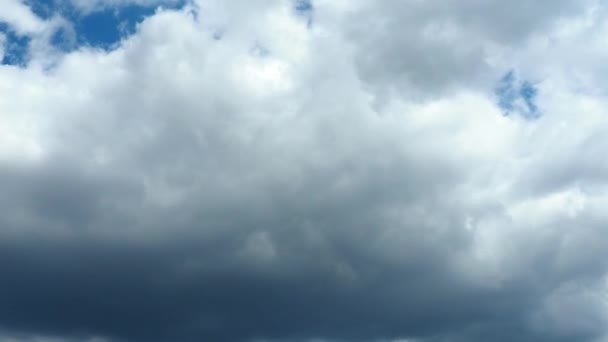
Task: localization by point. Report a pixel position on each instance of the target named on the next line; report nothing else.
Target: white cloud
(20, 17)
(366, 152)
(25, 23)
(88, 6)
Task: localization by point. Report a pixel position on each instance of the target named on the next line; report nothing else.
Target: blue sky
(101, 28)
(15, 48)
(517, 96)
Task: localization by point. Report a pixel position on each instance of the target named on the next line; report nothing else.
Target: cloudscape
(303, 170)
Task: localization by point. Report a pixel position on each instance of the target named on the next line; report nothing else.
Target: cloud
(88, 6)
(27, 36)
(2, 45)
(20, 17)
(357, 181)
(424, 49)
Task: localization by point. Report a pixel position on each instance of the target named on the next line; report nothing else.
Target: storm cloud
(248, 171)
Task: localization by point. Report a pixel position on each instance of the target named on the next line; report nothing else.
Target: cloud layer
(262, 171)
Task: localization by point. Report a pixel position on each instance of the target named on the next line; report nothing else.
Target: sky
(303, 171)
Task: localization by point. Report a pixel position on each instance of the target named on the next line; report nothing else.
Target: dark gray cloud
(182, 188)
(306, 269)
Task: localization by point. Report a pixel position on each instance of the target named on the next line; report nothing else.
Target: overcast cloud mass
(296, 171)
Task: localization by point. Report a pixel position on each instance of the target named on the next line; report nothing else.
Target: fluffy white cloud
(20, 17)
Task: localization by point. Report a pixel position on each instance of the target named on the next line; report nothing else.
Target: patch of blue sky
(305, 9)
(107, 27)
(103, 28)
(63, 39)
(15, 47)
(303, 6)
(45, 9)
(517, 97)
(528, 93)
(506, 92)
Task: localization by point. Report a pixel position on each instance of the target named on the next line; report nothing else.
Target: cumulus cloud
(237, 171)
